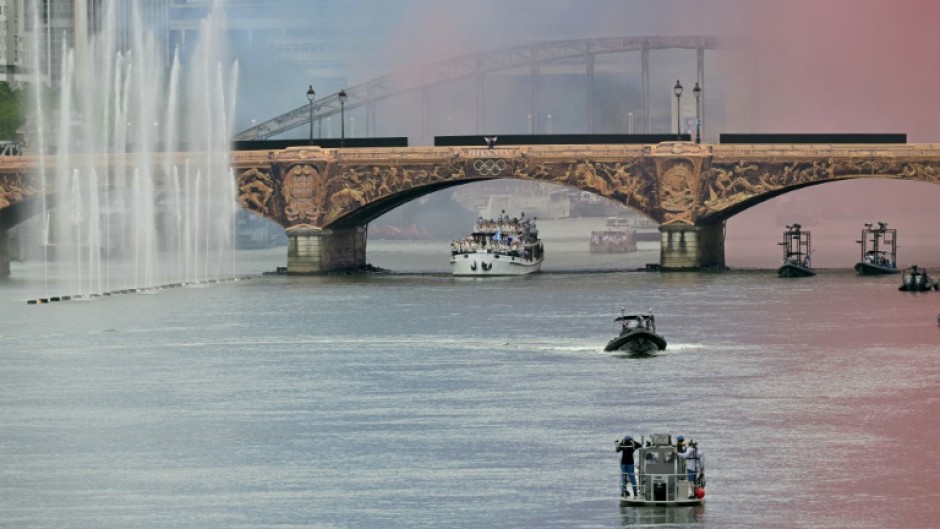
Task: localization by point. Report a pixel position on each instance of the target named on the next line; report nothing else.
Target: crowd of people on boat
(504, 225)
(509, 245)
(502, 235)
(695, 467)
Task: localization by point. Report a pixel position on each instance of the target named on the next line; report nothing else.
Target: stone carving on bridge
(355, 186)
(629, 182)
(734, 183)
(673, 182)
(256, 190)
(679, 166)
(302, 201)
(678, 189)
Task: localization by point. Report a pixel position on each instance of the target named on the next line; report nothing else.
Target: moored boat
(644, 229)
(797, 252)
(663, 477)
(501, 247)
(637, 335)
(613, 241)
(915, 279)
(879, 250)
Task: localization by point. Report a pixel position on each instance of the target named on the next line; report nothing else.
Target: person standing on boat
(626, 448)
(694, 465)
(680, 444)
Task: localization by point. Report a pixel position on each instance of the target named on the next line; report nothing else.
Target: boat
(643, 228)
(613, 241)
(661, 476)
(796, 252)
(915, 279)
(879, 250)
(501, 247)
(637, 335)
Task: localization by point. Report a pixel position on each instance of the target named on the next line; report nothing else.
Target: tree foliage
(12, 111)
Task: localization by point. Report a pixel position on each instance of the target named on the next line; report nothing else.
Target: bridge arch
(733, 185)
(327, 190)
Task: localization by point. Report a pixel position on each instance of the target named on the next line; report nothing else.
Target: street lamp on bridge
(311, 94)
(697, 91)
(342, 119)
(678, 91)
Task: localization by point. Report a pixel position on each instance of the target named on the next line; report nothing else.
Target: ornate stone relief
(674, 182)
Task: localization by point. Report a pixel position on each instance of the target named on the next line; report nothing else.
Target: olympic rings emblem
(489, 167)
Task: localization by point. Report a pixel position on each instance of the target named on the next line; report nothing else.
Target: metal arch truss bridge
(477, 66)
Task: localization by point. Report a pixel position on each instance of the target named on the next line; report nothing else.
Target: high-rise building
(69, 24)
(15, 41)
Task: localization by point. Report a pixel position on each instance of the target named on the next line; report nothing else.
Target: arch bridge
(324, 198)
(475, 68)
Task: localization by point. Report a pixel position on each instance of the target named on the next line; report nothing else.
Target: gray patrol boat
(661, 476)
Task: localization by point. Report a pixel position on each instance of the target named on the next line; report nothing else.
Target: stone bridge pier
(684, 247)
(312, 250)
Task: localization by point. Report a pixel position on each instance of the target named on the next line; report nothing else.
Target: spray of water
(133, 185)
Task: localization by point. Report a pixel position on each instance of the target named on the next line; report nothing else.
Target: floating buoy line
(54, 299)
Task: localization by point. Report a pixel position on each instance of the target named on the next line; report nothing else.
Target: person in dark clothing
(680, 444)
(626, 448)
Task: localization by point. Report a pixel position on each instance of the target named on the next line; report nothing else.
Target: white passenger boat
(501, 247)
(662, 476)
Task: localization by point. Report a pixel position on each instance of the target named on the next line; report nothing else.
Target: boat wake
(685, 346)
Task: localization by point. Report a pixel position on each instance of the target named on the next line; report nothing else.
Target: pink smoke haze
(846, 66)
(857, 66)
(809, 66)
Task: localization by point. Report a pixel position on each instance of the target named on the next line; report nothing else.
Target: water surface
(420, 400)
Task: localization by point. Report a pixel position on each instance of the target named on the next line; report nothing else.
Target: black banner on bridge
(556, 139)
(863, 137)
(326, 143)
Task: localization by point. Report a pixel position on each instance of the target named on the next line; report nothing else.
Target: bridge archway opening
(835, 213)
(413, 231)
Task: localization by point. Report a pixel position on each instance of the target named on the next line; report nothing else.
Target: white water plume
(140, 197)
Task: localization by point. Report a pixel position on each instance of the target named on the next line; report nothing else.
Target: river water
(419, 400)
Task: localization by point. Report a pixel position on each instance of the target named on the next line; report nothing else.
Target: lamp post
(697, 91)
(678, 91)
(311, 94)
(342, 118)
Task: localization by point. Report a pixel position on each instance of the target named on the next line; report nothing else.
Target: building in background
(16, 33)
